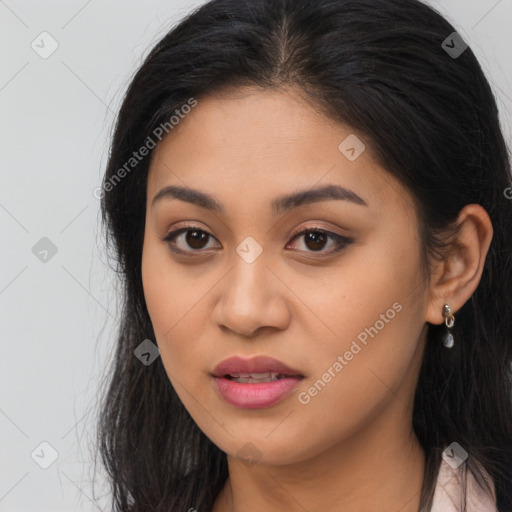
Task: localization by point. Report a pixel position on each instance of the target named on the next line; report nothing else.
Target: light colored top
(448, 495)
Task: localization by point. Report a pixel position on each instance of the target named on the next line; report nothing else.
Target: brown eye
(196, 239)
(191, 239)
(317, 239)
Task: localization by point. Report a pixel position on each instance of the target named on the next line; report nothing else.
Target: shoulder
(451, 490)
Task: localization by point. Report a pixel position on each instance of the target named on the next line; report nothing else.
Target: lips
(255, 383)
(259, 368)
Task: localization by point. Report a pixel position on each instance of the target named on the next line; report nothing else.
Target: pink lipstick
(258, 382)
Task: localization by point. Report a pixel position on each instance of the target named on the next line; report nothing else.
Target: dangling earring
(449, 321)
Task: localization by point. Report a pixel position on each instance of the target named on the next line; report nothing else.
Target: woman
(307, 202)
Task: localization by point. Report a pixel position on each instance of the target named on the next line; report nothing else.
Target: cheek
(167, 299)
(172, 316)
(359, 295)
(373, 312)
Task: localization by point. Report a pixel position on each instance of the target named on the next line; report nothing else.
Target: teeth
(254, 375)
(254, 378)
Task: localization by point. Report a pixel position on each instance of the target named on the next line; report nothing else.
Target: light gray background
(58, 317)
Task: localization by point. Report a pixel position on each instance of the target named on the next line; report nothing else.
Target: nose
(252, 298)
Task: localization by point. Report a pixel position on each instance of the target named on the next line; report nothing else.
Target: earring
(449, 321)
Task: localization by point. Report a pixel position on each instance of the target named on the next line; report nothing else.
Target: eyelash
(341, 241)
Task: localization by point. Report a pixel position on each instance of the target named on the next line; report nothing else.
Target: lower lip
(255, 396)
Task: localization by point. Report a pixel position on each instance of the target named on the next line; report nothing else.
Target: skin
(352, 447)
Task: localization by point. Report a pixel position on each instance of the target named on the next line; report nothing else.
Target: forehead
(253, 144)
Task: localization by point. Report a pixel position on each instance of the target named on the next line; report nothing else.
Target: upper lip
(258, 364)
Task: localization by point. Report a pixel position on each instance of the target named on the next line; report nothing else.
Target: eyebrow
(278, 205)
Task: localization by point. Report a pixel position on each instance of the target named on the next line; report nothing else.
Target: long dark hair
(431, 120)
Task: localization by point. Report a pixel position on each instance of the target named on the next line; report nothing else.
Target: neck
(378, 468)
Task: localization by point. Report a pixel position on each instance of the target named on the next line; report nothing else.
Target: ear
(456, 276)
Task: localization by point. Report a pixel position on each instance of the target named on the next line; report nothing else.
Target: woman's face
(343, 306)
